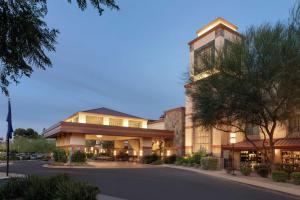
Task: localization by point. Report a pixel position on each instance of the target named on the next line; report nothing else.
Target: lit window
(202, 139)
(94, 120)
(232, 139)
(115, 122)
(135, 124)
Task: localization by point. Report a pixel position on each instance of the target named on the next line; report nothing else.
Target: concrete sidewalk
(3, 175)
(256, 181)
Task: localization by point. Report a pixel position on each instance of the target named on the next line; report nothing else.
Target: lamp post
(232, 141)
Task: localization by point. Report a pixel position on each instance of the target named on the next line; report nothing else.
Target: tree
(255, 81)
(32, 145)
(25, 37)
(26, 133)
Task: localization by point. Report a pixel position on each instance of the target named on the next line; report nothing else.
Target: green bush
(78, 157)
(280, 176)
(76, 191)
(89, 155)
(157, 162)
(60, 155)
(122, 156)
(196, 157)
(295, 176)
(170, 159)
(179, 161)
(13, 189)
(148, 159)
(288, 168)
(262, 170)
(42, 188)
(245, 169)
(209, 163)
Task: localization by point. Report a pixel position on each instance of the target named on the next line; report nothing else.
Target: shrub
(60, 155)
(13, 189)
(67, 190)
(279, 176)
(89, 155)
(196, 157)
(262, 170)
(148, 159)
(209, 163)
(170, 159)
(123, 156)
(288, 168)
(179, 161)
(295, 176)
(42, 188)
(245, 169)
(157, 162)
(78, 157)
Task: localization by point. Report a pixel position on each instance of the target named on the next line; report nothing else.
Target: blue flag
(9, 123)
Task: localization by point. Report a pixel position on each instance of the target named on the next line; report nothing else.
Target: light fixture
(141, 152)
(99, 136)
(168, 152)
(115, 152)
(232, 139)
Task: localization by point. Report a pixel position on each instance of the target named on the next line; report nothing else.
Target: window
(115, 122)
(252, 129)
(202, 139)
(294, 123)
(206, 54)
(94, 120)
(135, 124)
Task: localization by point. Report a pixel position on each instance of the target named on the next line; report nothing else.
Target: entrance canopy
(93, 129)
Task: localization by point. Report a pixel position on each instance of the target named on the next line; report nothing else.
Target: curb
(292, 190)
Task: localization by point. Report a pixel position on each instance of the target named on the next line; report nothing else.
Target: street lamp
(232, 141)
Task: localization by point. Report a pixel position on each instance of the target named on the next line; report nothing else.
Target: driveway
(155, 183)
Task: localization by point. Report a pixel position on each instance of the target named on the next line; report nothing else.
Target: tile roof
(107, 111)
(280, 143)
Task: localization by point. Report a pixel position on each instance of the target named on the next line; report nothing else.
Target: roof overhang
(93, 129)
(279, 143)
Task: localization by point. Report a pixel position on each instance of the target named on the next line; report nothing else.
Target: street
(154, 183)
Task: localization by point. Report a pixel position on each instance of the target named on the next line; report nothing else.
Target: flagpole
(8, 135)
(7, 156)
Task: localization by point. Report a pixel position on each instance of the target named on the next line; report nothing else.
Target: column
(145, 146)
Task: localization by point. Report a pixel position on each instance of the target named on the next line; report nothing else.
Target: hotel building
(211, 38)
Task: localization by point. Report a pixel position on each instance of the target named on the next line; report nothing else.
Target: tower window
(204, 57)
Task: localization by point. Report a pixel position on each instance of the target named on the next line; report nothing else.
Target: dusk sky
(132, 60)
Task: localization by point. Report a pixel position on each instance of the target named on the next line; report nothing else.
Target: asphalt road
(155, 183)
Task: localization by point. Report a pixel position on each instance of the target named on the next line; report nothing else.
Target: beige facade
(129, 134)
(210, 39)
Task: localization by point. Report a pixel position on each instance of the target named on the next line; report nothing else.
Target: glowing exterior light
(168, 152)
(215, 23)
(115, 152)
(141, 152)
(92, 148)
(232, 139)
(99, 136)
(134, 153)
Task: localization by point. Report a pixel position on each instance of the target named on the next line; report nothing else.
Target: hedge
(280, 176)
(209, 163)
(42, 188)
(245, 169)
(78, 157)
(60, 155)
(295, 176)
